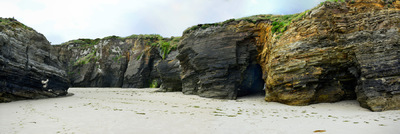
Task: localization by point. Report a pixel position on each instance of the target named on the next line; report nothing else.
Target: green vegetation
(84, 43)
(153, 84)
(155, 40)
(138, 57)
(336, 0)
(117, 58)
(84, 60)
(279, 22)
(112, 37)
(91, 42)
(134, 36)
(167, 45)
(12, 23)
(145, 36)
(204, 26)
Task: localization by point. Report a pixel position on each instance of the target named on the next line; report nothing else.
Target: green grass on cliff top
(279, 22)
(12, 23)
(165, 45)
(95, 41)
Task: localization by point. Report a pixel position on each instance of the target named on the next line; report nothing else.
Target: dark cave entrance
(337, 84)
(252, 83)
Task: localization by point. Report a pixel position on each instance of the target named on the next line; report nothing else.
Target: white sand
(142, 111)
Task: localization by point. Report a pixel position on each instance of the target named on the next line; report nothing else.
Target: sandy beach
(128, 111)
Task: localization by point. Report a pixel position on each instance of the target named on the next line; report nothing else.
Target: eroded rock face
(111, 62)
(378, 60)
(169, 71)
(338, 51)
(141, 69)
(28, 70)
(214, 60)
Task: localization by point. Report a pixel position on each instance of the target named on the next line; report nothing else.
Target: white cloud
(63, 20)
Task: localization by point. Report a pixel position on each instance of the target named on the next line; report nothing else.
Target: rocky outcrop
(141, 71)
(114, 61)
(337, 51)
(170, 71)
(218, 61)
(28, 69)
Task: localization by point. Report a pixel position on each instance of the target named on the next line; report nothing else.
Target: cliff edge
(28, 69)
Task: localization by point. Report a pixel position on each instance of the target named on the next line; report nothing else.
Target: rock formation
(28, 70)
(114, 61)
(336, 51)
(215, 60)
(170, 71)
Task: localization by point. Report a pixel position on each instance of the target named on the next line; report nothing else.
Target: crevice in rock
(124, 68)
(27, 57)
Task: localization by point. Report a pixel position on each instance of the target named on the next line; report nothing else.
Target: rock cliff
(170, 71)
(114, 61)
(28, 69)
(218, 60)
(336, 51)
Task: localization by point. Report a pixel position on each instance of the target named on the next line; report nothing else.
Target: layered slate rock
(110, 62)
(28, 70)
(337, 51)
(169, 71)
(93, 63)
(214, 60)
(141, 69)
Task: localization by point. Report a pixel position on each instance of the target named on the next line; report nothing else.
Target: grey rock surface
(27, 68)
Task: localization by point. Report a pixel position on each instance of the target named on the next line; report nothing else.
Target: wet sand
(120, 111)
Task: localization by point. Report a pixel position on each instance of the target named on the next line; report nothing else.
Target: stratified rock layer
(110, 62)
(28, 70)
(169, 71)
(337, 51)
(214, 60)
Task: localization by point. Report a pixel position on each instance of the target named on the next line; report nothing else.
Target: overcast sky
(63, 20)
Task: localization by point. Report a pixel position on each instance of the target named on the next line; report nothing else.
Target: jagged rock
(28, 70)
(169, 70)
(338, 51)
(94, 63)
(112, 61)
(378, 55)
(214, 59)
(141, 71)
